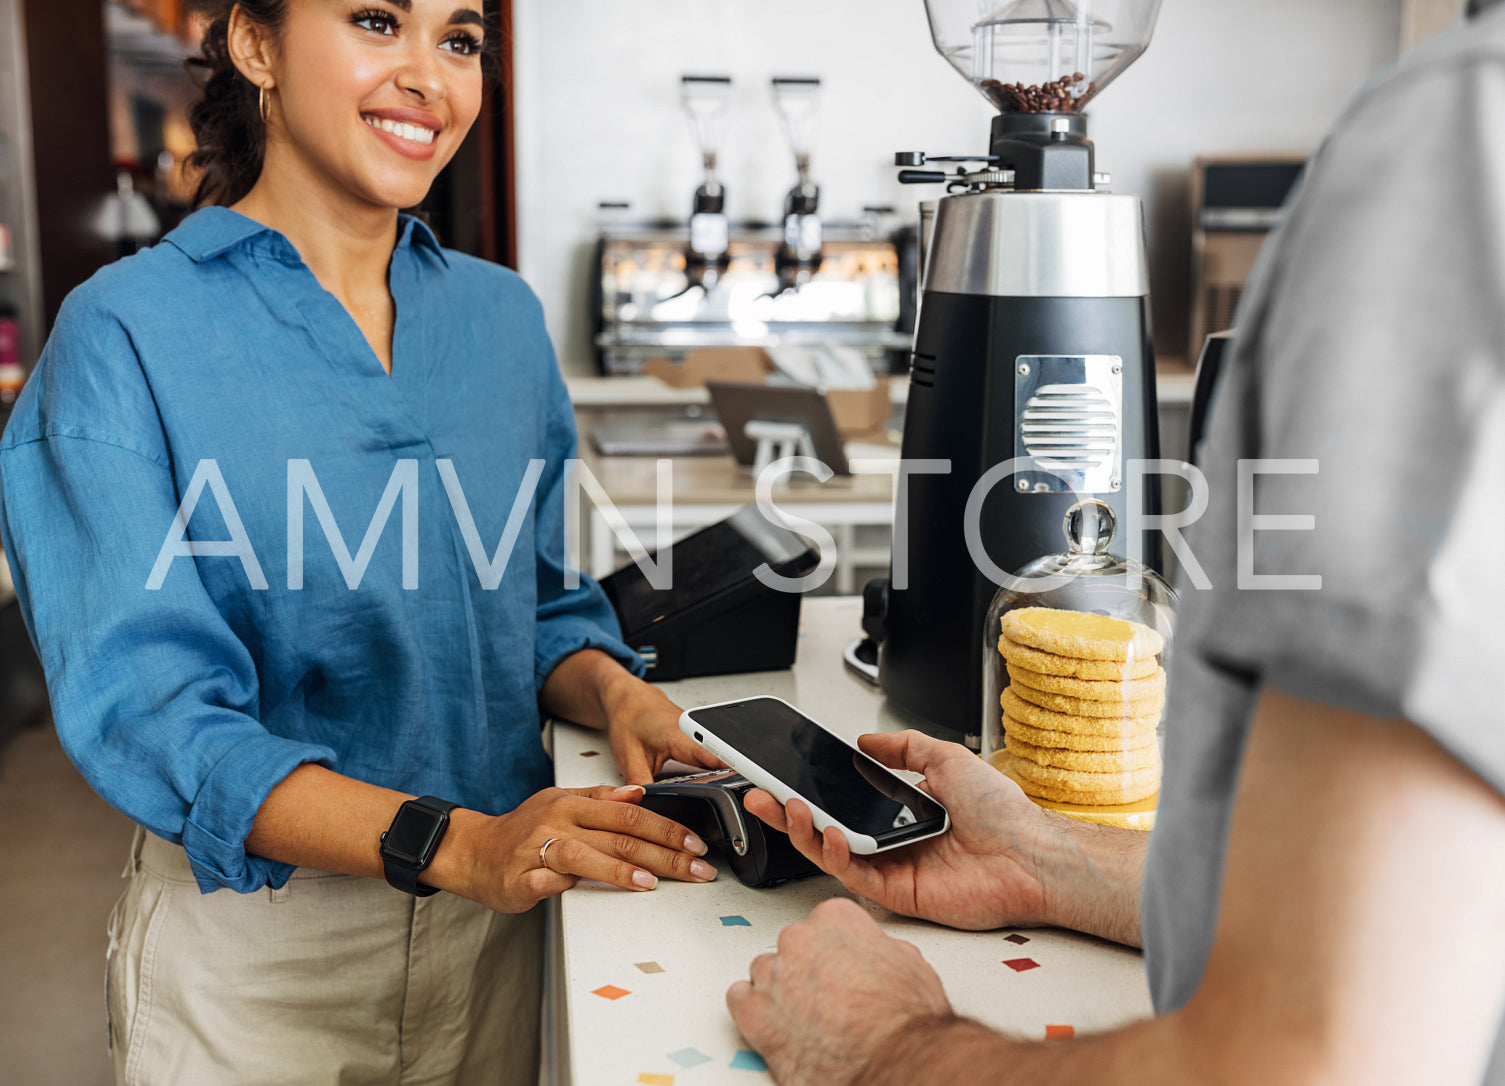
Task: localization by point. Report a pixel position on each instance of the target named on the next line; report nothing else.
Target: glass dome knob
(1089, 527)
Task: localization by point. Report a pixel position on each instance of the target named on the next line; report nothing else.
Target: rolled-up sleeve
(154, 697)
(569, 620)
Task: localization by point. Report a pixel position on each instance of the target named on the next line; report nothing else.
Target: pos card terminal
(710, 806)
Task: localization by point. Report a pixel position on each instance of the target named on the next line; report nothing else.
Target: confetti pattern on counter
(647, 1078)
(689, 1057)
(1016, 939)
(735, 922)
(748, 1060)
(648, 967)
(1060, 1033)
(1019, 965)
(611, 991)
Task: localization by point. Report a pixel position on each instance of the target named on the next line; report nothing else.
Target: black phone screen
(846, 784)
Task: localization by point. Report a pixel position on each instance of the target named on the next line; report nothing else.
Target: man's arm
(1361, 939)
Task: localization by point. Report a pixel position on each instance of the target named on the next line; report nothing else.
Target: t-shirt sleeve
(569, 619)
(1367, 392)
(154, 697)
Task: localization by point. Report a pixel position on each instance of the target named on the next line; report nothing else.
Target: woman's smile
(409, 132)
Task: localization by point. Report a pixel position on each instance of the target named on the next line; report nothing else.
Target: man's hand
(1004, 860)
(814, 1009)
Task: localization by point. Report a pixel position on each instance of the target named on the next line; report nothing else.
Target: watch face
(413, 835)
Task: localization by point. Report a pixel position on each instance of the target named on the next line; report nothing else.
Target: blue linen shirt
(185, 704)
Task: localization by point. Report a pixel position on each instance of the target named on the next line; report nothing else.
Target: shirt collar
(211, 231)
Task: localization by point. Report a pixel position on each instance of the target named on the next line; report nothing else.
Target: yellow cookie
(1085, 761)
(1044, 737)
(1125, 790)
(1062, 703)
(1079, 724)
(1048, 663)
(1081, 634)
(1144, 689)
(1083, 781)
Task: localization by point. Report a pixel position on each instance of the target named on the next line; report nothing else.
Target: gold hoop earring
(261, 103)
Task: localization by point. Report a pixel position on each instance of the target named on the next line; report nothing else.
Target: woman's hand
(643, 733)
(597, 833)
(982, 873)
(641, 723)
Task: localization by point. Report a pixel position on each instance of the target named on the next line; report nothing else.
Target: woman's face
(375, 96)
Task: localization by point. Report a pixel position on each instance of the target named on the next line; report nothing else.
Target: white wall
(598, 115)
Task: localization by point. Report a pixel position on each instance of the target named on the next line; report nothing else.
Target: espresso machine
(1032, 372)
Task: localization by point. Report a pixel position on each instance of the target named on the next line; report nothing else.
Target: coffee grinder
(1032, 373)
(705, 99)
(799, 255)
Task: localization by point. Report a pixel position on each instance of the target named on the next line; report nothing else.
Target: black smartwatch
(409, 844)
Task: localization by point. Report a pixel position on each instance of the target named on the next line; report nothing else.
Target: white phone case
(860, 843)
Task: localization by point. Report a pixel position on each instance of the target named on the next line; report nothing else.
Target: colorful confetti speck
(649, 967)
(1019, 965)
(649, 1079)
(1060, 1033)
(748, 1060)
(611, 991)
(735, 922)
(1016, 939)
(689, 1057)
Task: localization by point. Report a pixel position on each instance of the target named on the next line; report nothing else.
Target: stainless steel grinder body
(1033, 346)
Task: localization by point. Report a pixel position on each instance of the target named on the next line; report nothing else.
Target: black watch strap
(424, 820)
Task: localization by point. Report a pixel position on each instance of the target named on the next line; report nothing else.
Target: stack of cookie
(1084, 698)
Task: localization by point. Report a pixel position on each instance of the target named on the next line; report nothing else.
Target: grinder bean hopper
(1032, 378)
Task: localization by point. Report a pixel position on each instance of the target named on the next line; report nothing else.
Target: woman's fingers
(542, 882)
(621, 793)
(663, 862)
(633, 759)
(633, 821)
(571, 856)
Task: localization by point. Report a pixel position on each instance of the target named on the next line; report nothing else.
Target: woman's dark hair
(226, 119)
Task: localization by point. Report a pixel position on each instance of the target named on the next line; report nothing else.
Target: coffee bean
(1054, 96)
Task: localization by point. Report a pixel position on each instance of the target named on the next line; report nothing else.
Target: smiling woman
(268, 735)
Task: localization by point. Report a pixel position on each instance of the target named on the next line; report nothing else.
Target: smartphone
(788, 755)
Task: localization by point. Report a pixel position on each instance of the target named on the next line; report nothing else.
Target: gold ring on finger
(543, 852)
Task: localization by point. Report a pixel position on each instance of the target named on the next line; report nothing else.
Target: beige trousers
(331, 980)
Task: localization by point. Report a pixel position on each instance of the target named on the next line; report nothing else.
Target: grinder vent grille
(1070, 424)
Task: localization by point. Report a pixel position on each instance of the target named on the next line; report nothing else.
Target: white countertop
(1173, 386)
(672, 1025)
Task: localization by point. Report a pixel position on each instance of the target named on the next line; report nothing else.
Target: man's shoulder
(1441, 74)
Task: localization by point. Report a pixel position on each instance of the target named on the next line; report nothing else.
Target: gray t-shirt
(1372, 341)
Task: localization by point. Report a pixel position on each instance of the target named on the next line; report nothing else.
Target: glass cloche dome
(1074, 652)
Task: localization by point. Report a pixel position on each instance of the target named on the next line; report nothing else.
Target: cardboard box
(857, 411)
(861, 411)
(712, 364)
